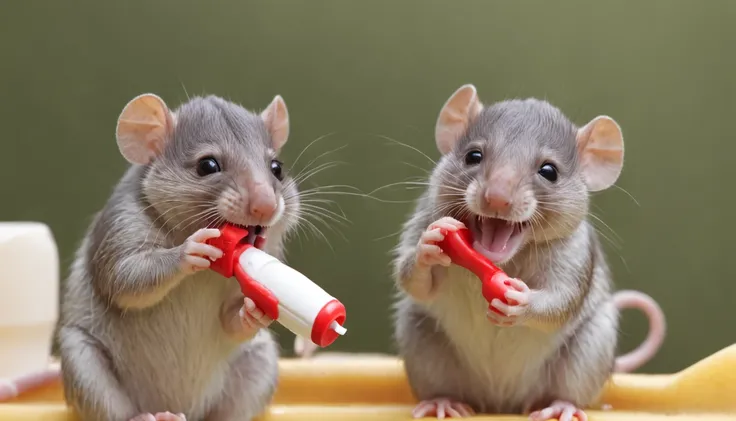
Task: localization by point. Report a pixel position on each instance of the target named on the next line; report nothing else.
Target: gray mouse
(146, 331)
(518, 174)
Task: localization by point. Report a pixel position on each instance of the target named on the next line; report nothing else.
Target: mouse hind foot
(161, 416)
(442, 408)
(559, 410)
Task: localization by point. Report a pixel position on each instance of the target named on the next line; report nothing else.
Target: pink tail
(304, 348)
(11, 388)
(634, 299)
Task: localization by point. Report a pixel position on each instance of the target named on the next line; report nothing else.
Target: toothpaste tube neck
(233, 241)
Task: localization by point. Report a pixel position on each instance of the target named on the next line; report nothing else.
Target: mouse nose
(498, 200)
(262, 204)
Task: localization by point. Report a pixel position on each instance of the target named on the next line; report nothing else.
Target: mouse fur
(551, 354)
(139, 335)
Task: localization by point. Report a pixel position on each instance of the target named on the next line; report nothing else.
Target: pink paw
(252, 318)
(516, 311)
(143, 417)
(442, 408)
(428, 252)
(559, 410)
(196, 254)
(168, 416)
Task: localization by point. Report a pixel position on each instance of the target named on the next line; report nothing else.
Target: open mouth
(256, 234)
(495, 238)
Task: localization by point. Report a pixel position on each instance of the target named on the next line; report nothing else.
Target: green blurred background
(367, 71)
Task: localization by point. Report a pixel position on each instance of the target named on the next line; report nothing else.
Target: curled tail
(11, 388)
(627, 299)
(304, 348)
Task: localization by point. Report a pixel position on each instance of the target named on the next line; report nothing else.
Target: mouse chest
(509, 360)
(190, 310)
(177, 352)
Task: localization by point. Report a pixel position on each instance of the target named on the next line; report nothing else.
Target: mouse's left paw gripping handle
(282, 293)
(458, 246)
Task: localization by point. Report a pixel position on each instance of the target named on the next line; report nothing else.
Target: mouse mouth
(255, 231)
(495, 238)
(256, 234)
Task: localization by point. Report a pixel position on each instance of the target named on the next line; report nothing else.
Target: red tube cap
(322, 334)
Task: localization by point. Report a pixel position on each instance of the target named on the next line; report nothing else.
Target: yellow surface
(376, 389)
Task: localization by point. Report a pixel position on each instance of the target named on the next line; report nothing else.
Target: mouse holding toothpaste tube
(147, 330)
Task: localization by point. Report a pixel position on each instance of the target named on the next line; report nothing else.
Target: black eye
(473, 157)
(549, 172)
(276, 169)
(207, 166)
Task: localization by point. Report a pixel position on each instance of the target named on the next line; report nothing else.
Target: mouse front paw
(428, 252)
(516, 311)
(196, 255)
(442, 408)
(252, 319)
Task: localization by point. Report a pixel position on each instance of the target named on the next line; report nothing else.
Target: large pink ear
(601, 148)
(276, 117)
(457, 113)
(144, 127)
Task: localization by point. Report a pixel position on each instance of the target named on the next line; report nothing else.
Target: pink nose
(497, 200)
(262, 202)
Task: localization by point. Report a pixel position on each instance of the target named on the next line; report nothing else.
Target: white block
(29, 296)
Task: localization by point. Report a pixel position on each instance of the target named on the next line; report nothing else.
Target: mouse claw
(143, 417)
(252, 319)
(559, 410)
(442, 408)
(168, 416)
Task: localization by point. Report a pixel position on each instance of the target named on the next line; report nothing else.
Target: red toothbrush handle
(233, 242)
(458, 245)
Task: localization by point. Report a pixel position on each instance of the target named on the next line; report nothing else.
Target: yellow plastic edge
(356, 389)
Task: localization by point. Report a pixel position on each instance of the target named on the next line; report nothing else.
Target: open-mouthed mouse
(518, 174)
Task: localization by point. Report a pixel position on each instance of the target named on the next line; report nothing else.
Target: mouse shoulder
(125, 215)
(418, 220)
(124, 224)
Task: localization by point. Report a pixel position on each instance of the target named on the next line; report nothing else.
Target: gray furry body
(451, 350)
(136, 334)
(565, 350)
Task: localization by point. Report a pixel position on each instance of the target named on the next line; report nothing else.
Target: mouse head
(519, 171)
(211, 161)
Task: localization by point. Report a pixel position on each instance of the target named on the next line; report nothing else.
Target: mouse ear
(601, 148)
(276, 118)
(456, 115)
(144, 127)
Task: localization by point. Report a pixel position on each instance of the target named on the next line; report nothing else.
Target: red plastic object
(322, 334)
(458, 245)
(233, 242)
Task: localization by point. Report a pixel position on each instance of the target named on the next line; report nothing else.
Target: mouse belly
(177, 356)
(508, 365)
